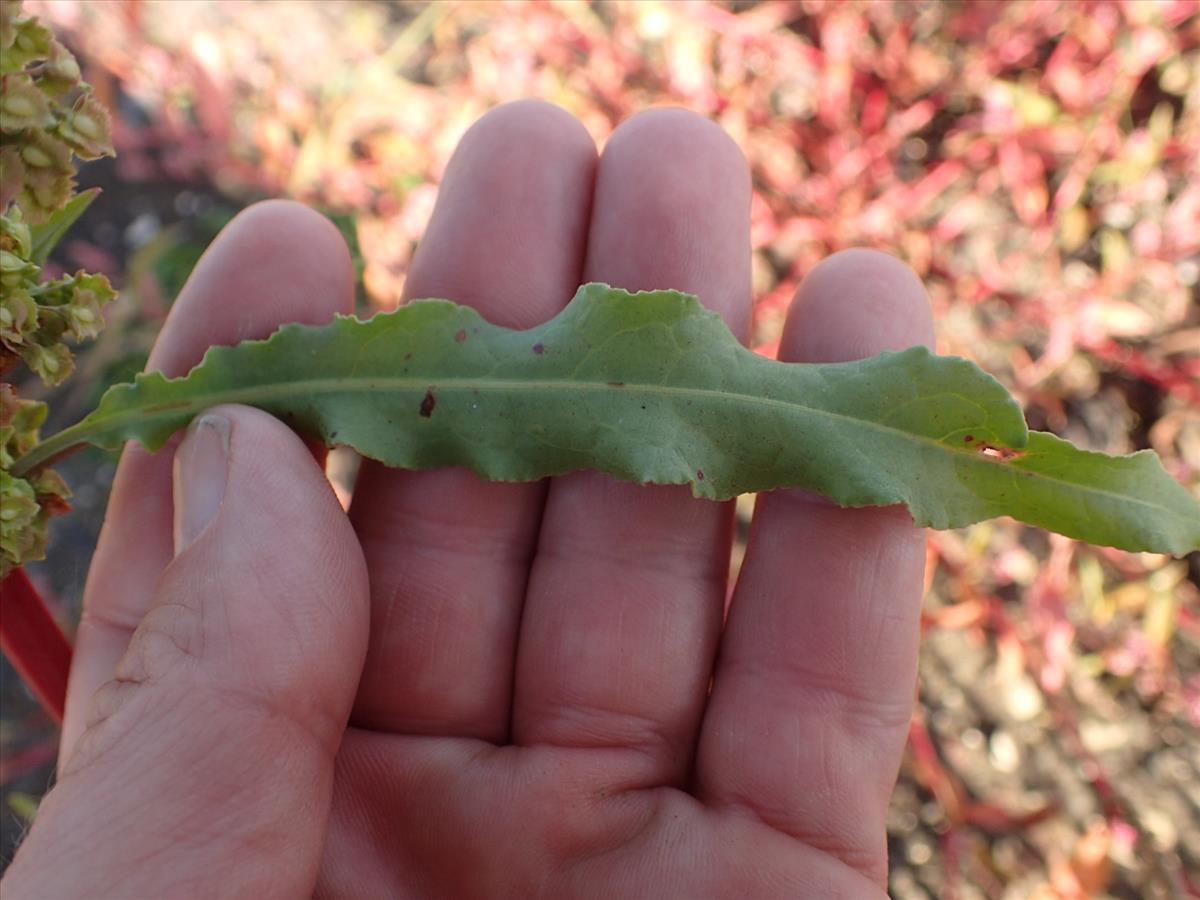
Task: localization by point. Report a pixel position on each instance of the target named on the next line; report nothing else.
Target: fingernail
(201, 470)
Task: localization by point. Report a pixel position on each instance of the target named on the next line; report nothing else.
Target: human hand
(534, 714)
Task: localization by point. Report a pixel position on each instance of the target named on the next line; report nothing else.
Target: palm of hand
(554, 701)
(602, 768)
(458, 818)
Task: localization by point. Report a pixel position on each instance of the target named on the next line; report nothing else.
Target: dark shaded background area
(1034, 162)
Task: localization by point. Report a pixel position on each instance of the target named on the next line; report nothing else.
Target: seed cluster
(48, 117)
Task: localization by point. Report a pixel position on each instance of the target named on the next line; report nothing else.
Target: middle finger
(447, 551)
(627, 590)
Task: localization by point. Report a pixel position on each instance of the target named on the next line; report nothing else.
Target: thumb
(207, 763)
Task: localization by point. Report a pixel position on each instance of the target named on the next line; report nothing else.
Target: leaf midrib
(275, 390)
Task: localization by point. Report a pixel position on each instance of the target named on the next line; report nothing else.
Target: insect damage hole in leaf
(696, 408)
(1001, 453)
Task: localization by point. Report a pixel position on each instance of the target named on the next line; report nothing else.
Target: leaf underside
(653, 388)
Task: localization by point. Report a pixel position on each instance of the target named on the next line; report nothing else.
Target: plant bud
(14, 234)
(32, 41)
(19, 504)
(86, 125)
(87, 130)
(85, 318)
(36, 156)
(63, 66)
(46, 191)
(14, 269)
(19, 106)
(23, 105)
(18, 317)
(52, 364)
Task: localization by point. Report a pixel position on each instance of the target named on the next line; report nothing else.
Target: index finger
(276, 262)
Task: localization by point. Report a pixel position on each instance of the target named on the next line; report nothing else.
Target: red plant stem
(33, 642)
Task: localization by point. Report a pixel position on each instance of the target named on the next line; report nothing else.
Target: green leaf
(47, 236)
(653, 388)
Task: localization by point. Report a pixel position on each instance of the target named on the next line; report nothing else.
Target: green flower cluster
(48, 116)
(28, 503)
(36, 316)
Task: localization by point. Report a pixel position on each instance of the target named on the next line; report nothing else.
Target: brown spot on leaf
(700, 474)
(460, 335)
(969, 438)
(539, 348)
(428, 403)
(616, 384)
